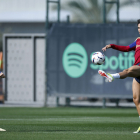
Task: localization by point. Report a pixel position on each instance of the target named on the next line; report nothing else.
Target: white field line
(81, 119)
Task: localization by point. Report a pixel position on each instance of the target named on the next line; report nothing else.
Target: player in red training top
(133, 71)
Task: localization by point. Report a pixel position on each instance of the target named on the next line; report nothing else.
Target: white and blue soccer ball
(98, 58)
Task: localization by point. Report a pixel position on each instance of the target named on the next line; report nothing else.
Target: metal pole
(34, 68)
(68, 19)
(67, 101)
(57, 101)
(104, 102)
(117, 11)
(117, 102)
(47, 40)
(104, 12)
(58, 11)
(47, 14)
(47, 27)
(6, 56)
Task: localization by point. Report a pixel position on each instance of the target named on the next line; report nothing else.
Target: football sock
(116, 76)
(139, 117)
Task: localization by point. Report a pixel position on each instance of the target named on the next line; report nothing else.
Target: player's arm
(121, 48)
(2, 75)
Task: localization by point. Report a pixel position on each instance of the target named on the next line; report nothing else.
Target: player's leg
(136, 97)
(133, 71)
(136, 94)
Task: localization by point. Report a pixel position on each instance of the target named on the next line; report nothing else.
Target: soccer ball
(98, 58)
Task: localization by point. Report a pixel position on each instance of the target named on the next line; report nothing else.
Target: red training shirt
(135, 46)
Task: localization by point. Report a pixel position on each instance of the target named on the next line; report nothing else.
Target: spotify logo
(75, 60)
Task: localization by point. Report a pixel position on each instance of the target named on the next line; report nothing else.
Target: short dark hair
(138, 21)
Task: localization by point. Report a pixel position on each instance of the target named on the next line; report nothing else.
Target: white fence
(24, 67)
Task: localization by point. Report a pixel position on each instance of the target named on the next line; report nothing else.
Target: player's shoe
(2, 129)
(138, 131)
(106, 75)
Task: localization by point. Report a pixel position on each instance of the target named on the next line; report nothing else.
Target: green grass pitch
(68, 123)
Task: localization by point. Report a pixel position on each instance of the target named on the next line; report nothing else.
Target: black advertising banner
(70, 71)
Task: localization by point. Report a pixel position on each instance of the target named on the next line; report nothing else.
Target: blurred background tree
(91, 11)
(84, 11)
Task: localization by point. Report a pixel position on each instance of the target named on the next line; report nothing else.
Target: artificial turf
(67, 123)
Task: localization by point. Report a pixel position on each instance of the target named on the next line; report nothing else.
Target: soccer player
(2, 76)
(133, 71)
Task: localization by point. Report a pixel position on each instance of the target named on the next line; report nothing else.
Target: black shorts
(138, 78)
